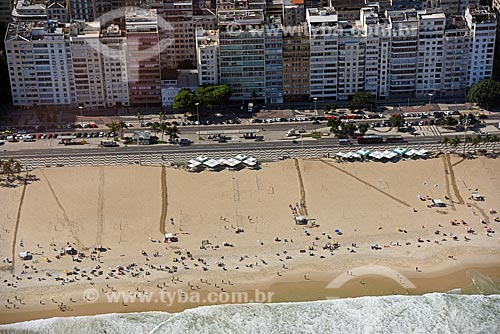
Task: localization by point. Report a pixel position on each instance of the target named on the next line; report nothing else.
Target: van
(344, 142)
(290, 133)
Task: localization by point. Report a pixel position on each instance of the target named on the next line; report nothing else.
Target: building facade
(482, 24)
(143, 57)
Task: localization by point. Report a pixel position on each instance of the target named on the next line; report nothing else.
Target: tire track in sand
(454, 181)
(65, 215)
(100, 209)
(303, 204)
(366, 183)
(447, 180)
(18, 219)
(164, 199)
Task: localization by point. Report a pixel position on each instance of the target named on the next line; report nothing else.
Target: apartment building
(82, 10)
(457, 47)
(351, 59)
(294, 12)
(25, 10)
(114, 66)
(58, 10)
(296, 65)
(403, 52)
(207, 48)
(143, 57)
(455, 7)
(178, 40)
(242, 62)
(40, 64)
(322, 25)
(274, 63)
(376, 28)
(482, 24)
(6, 7)
(430, 52)
(87, 65)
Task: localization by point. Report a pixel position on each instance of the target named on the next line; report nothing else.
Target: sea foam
(431, 313)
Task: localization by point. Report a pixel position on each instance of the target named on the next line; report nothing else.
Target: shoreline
(440, 280)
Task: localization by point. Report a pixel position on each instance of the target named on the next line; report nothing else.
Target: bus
(394, 139)
(369, 139)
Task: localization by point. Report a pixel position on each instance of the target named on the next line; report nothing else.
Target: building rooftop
(402, 15)
(241, 17)
(325, 15)
(481, 14)
(455, 22)
(29, 30)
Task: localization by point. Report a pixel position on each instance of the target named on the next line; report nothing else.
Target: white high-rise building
(114, 66)
(430, 52)
(207, 60)
(377, 30)
(40, 64)
(403, 52)
(482, 24)
(457, 44)
(87, 65)
(324, 52)
(351, 59)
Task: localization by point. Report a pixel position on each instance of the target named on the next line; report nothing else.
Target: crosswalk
(428, 130)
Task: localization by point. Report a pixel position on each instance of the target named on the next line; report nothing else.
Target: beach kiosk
(300, 220)
(25, 256)
(477, 197)
(438, 202)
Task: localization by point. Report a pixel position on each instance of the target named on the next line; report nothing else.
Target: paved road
(222, 147)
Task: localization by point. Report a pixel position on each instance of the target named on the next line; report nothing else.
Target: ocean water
(430, 313)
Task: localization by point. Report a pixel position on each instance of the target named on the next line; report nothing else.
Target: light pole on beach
(466, 125)
(198, 115)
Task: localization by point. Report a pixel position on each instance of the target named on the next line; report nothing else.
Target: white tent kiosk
(170, 237)
(232, 162)
(25, 256)
(438, 202)
(212, 163)
(251, 162)
(299, 220)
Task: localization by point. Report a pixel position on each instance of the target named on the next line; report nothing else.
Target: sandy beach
(372, 230)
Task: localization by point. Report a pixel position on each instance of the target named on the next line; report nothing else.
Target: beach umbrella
(337, 231)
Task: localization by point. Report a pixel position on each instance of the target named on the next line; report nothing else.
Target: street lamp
(81, 116)
(315, 109)
(466, 125)
(430, 98)
(198, 114)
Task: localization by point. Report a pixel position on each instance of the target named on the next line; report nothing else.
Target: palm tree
(113, 127)
(155, 127)
(174, 130)
(455, 142)
(139, 117)
(163, 128)
(160, 115)
(122, 125)
(446, 141)
(17, 168)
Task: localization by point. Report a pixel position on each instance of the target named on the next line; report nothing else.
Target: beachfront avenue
(178, 297)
